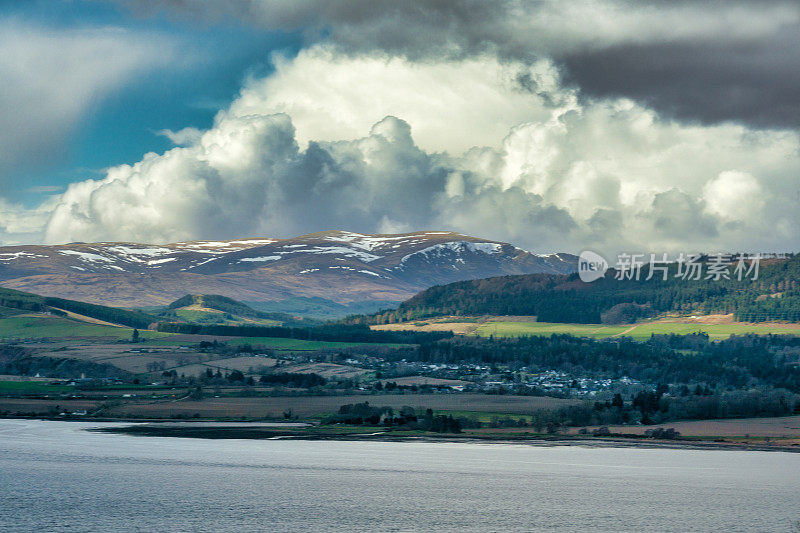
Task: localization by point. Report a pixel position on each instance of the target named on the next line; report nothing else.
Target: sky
(637, 126)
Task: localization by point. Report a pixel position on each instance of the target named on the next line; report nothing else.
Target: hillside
(322, 308)
(774, 296)
(208, 309)
(339, 266)
(13, 302)
(216, 302)
(216, 309)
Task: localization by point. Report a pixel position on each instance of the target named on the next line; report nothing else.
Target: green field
(9, 311)
(39, 327)
(641, 331)
(55, 327)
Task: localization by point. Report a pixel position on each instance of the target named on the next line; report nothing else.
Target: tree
(617, 401)
(135, 335)
(196, 393)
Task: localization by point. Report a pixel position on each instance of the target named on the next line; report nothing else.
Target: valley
(415, 371)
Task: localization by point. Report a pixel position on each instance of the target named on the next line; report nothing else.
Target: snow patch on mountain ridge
(457, 247)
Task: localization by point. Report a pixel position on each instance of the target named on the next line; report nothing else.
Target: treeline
(293, 380)
(786, 307)
(21, 300)
(133, 319)
(659, 406)
(364, 414)
(760, 402)
(662, 405)
(775, 295)
(286, 379)
(34, 302)
(327, 333)
(737, 362)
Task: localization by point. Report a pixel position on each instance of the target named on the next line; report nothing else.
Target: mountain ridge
(341, 266)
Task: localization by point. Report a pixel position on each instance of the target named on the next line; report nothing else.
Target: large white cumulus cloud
(452, 105)
(248, 176)
(374, 144)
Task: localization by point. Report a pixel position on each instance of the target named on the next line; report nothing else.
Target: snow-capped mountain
(336, 265)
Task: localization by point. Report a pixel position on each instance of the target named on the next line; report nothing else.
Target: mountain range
(337, 266)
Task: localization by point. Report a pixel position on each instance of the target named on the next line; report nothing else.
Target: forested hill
(774, 295)
(12, 299)
(226, 305)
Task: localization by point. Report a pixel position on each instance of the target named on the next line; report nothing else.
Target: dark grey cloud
(756, 83)
(706, 60)
(411, 28)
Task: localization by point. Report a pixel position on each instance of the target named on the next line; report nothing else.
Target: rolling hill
(216, 309)
(14, 302)
(339, 266)
(774, 296)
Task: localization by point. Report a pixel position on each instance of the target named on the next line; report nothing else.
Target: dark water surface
(55, 476)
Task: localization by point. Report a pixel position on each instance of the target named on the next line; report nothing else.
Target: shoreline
(278, 431)
(305, 430)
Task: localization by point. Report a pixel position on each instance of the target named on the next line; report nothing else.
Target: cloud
(706, 60)
(451, 105)
(183, 136)
(733, 195)
(606, 174)
(614, 125)
(755, 82)
(21, 225)
(44, 189)
(247, 175)
(53, 77)
(456, 28)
